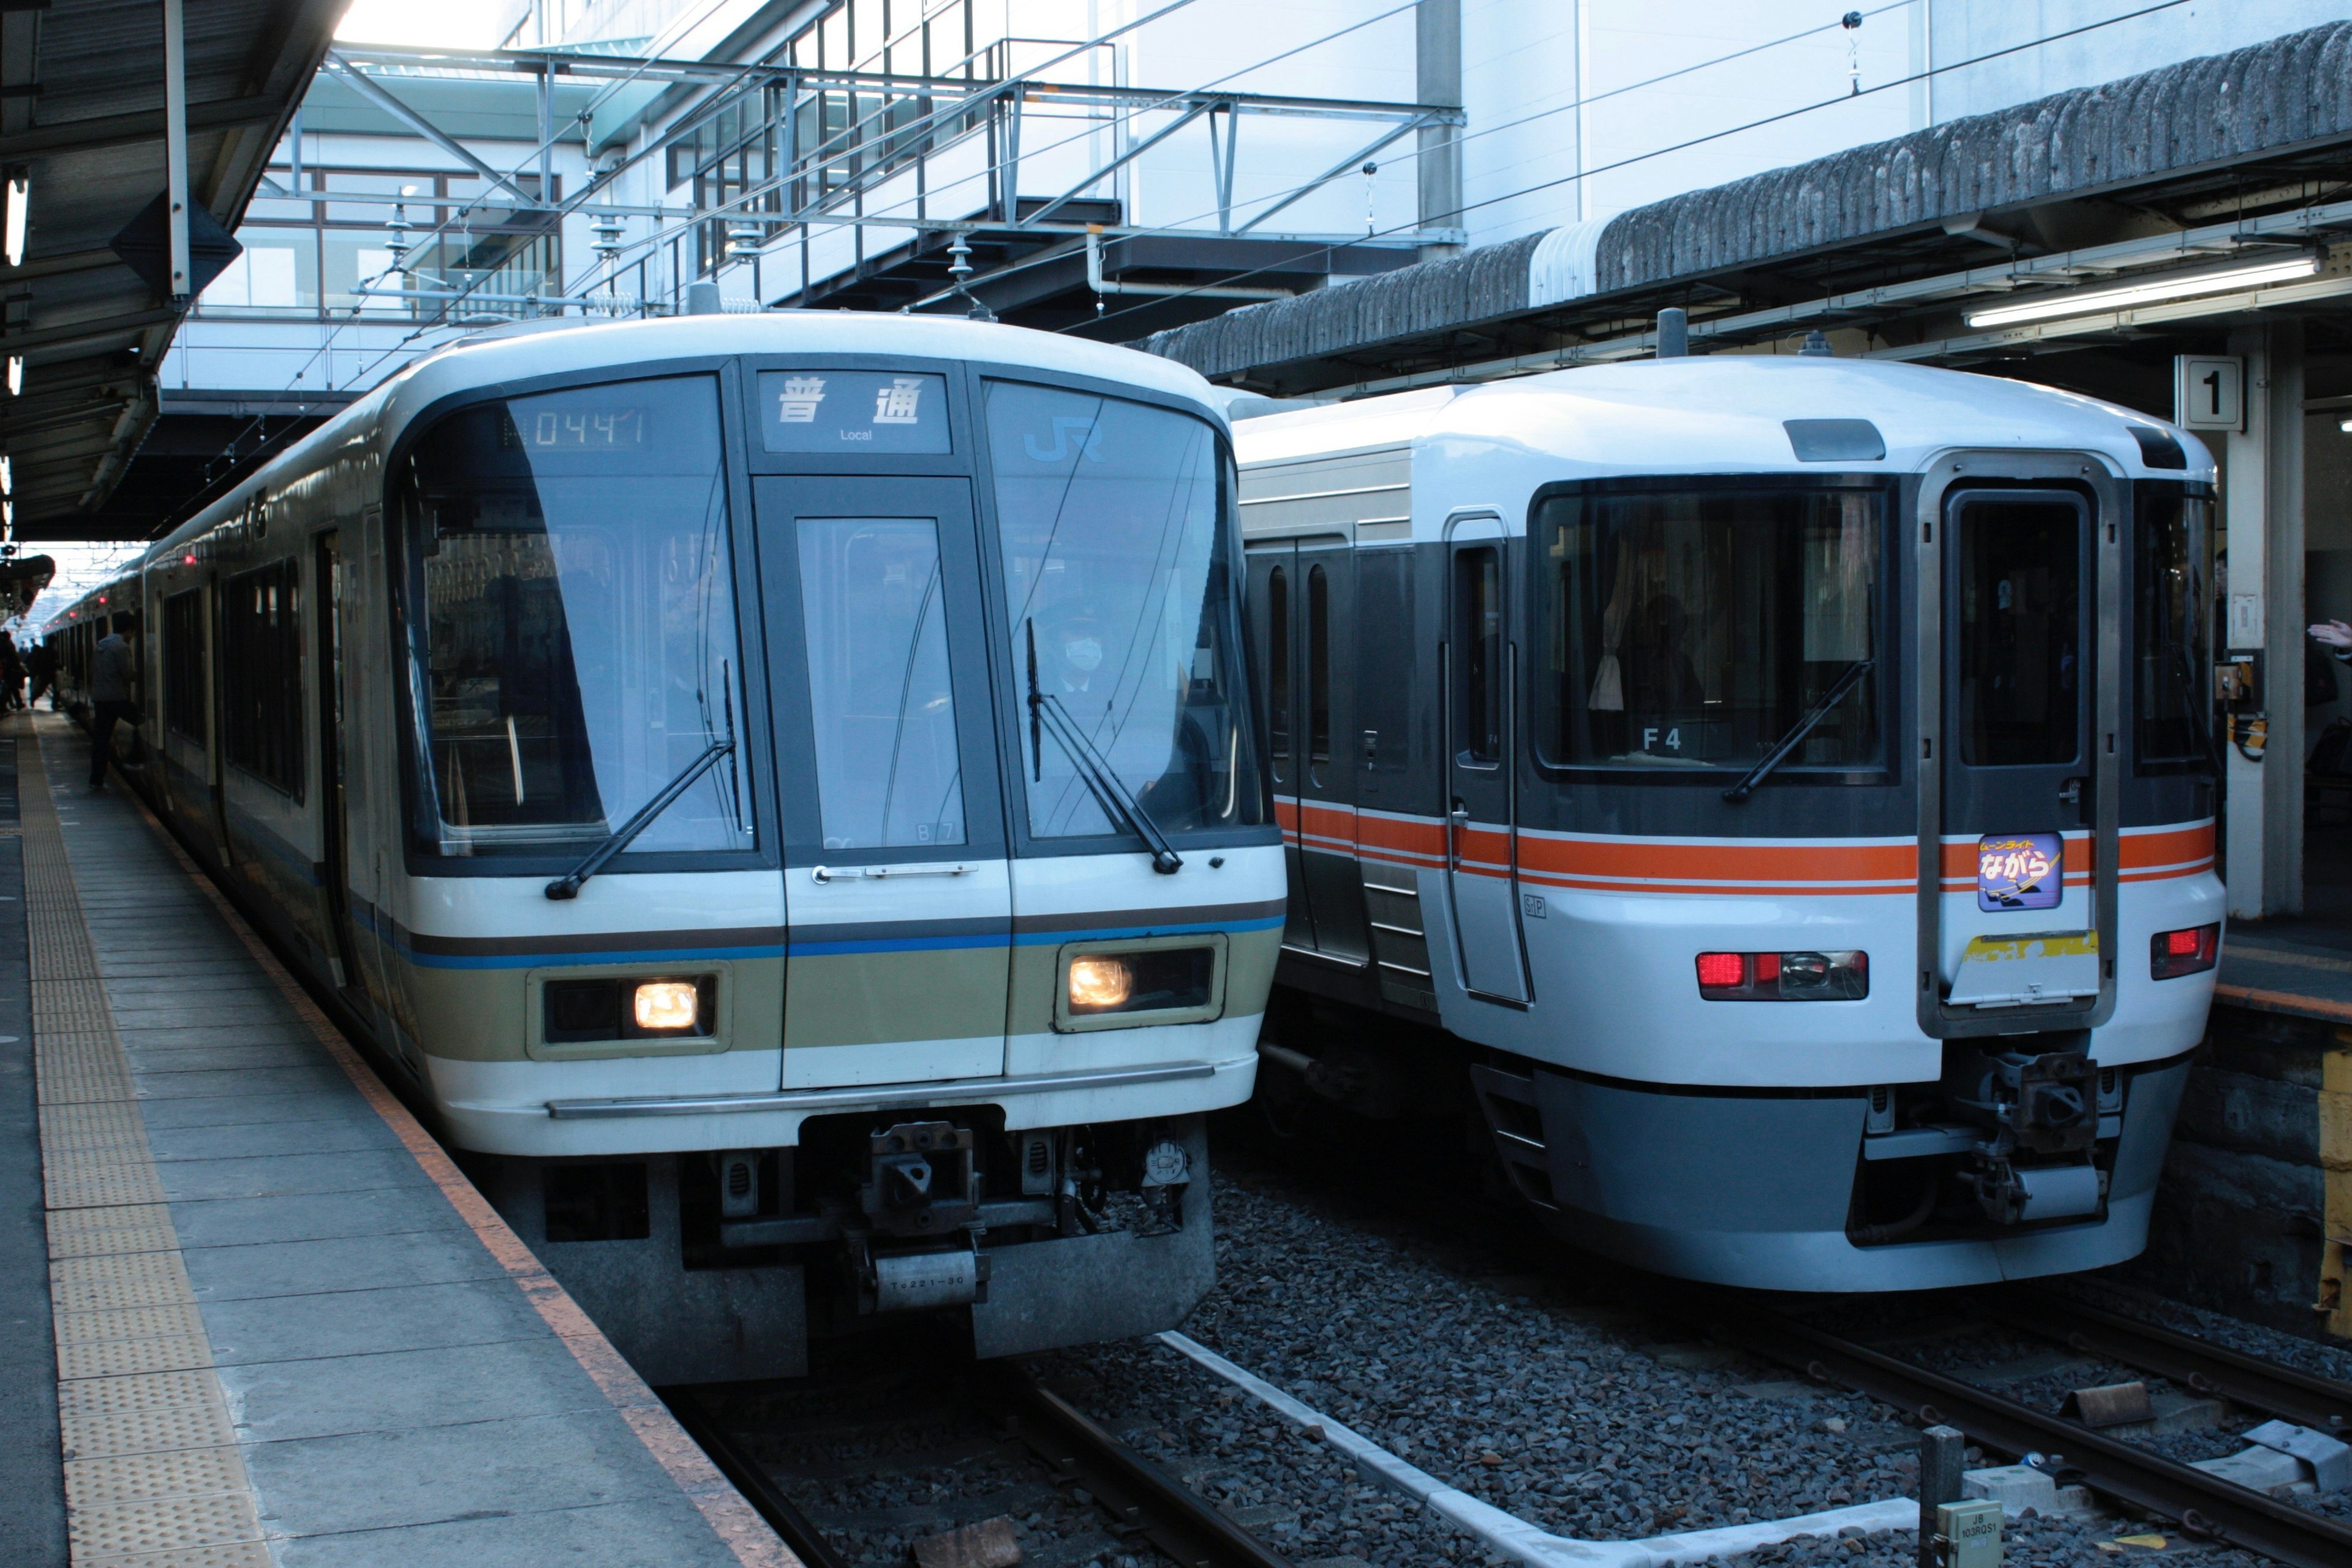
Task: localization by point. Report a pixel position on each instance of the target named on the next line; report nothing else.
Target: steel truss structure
(779, 154)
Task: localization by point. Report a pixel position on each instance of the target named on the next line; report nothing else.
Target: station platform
(2302, 968)
(282, 1326)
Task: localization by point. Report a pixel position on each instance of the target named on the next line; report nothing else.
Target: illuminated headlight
(617, 1008)
(1157, 981)
(1099, 984)
(668, 1006)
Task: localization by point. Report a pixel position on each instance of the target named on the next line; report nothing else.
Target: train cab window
(572, 616)
(1114, 518)
(183, 666)
(875, 614)
(2020, 591)
(1277, 662)
(1478, 655)
(1698, 628)
(2169, 628)
(261, 671)
(1318, 672)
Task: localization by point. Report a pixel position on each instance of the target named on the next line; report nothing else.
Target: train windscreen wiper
(1804, 727)
(568, 886)
(1047, 716)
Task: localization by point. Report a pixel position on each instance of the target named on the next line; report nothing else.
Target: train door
(1481, 853)
(899, 919)
(217, 755)
(334, 829)
(1273, 609)
(2024, 799)
(1303, 594)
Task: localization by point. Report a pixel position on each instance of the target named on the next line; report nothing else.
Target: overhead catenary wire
(715, 101)
(1241, 274)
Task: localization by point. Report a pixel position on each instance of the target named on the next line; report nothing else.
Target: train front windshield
(1120, 603)
(1700, 628)
(572, 620)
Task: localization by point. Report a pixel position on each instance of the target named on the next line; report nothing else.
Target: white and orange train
(1785, 785)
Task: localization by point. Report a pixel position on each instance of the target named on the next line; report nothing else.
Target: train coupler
(2012, 1195)
(953, 1273)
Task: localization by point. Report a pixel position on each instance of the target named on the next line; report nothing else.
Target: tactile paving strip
(153, 1476)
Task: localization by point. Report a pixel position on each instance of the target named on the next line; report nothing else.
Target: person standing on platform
(41, 664)
(109, 696)
(12, 674)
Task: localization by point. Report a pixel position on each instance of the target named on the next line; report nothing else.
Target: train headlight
(668, 1006)
(1152, 980)
(1099, 984)
(586, 1010)
(2173, 954)
(1842, 976)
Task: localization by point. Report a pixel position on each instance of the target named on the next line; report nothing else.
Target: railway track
(2203, 1504)
(2304, 1398)
(1143, 1503)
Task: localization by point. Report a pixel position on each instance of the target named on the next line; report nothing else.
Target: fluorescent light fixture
(7, 478)
(2087, 301)
(12, 240)
(16, 374)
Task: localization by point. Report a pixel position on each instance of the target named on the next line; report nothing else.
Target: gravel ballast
(1500, 1366)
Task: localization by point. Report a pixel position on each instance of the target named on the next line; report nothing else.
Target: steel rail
(1175, 1519)
(2305, 1398)
(2204, 1504)
(759, 1489)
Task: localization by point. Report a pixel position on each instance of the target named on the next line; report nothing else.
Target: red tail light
(1719, 971)
(1784, 977)
(2173, 954)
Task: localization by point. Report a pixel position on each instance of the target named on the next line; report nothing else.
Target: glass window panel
(873, 614)
(1278, 658)
(1318, 671)
(2174, 715)
(349, 260)
(1479, 648)
(1113, 518)
(1698, 628)
(575, 606)
(2019, 648)
(278, 269)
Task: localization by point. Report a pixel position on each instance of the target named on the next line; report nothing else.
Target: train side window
(2168, 632)
(184, 666)
(1318, 672)
(875, 614)
(1478, 655)
(2020, 635)
(261, 661)
(1277, 665)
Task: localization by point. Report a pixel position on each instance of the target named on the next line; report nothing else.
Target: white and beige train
(782, 792)
(1782, 788)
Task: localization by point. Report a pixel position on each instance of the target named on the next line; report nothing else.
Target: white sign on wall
(2209, 392)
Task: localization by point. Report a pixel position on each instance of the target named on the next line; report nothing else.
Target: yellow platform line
(154, 1475)
(739, 1527)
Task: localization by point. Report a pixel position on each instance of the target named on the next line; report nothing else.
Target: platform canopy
(2233, 165)
(89, 307)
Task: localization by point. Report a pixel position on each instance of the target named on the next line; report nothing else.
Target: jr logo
(1065, 425)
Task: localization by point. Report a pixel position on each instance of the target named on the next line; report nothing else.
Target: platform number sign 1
(2209, 392)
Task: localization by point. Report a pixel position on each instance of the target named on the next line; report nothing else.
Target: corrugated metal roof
(86, 120)
(2289, 94)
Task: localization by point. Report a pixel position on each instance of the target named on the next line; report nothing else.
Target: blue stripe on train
(814, 949)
